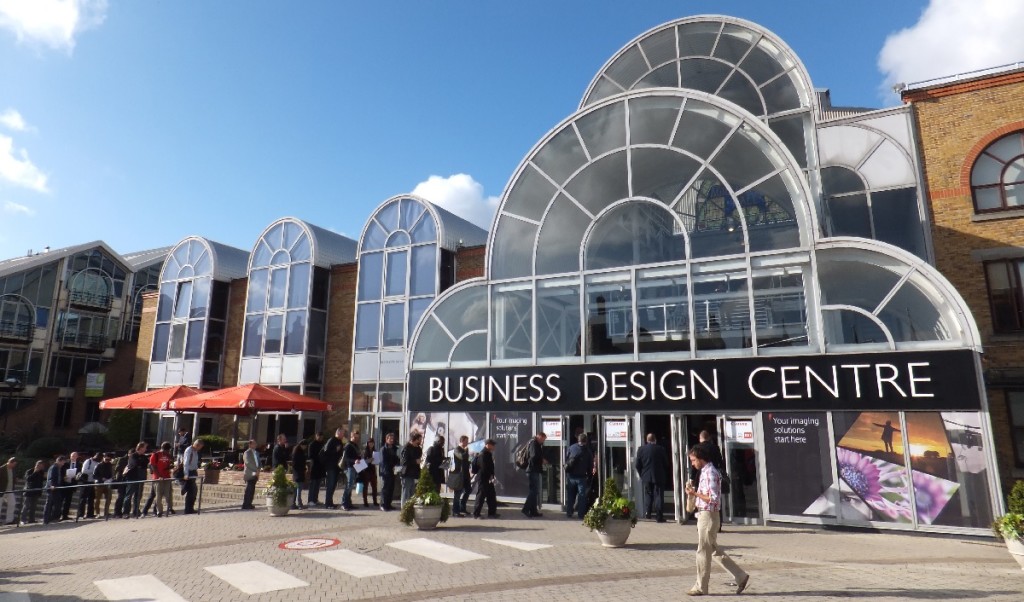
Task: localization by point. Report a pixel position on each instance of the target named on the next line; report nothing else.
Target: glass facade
(191, 317)
(285, 331)
(692, 232)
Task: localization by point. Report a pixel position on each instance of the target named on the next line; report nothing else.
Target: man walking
(8, 500)
(316, 469)
(250, 474)
(389, 460)
(534, 471)
(410, 459)
(190, 463)
(579, 464)
(349, 455)
(652, 465)
(460, 455)
(709, 500)
(485, 486)
(330, 455)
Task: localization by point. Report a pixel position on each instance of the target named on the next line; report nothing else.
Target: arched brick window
(997, 177)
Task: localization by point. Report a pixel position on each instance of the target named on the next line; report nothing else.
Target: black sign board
(901, 380)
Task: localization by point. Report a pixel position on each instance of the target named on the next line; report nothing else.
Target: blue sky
(140, 123)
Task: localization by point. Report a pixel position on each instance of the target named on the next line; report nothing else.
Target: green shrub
(1015, 501)
(45, 447)
(214, 443)
(425, 495)
(280, 487)
(611, 505)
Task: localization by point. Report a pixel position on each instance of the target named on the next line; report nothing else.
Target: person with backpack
(410, 462)
(534, 471)
(579, 466)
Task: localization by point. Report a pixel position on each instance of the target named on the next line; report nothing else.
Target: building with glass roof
(708, 244)
(69, 319)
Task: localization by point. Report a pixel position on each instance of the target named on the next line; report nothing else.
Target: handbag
(454, 480)
(691, 504)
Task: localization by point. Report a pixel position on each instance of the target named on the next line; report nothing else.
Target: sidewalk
(227, 554)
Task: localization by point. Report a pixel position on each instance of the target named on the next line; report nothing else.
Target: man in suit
(329, 457)
(250, 474)
(8, 500)
(652, 464)
(485, 486)
(74, 465)
(54, 490)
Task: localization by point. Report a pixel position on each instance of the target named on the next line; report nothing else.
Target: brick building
(971, 139)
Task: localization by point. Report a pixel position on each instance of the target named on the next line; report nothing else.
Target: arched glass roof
(722, 182)
(727, 57)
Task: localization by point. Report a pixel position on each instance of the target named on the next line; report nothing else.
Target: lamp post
(12, 385)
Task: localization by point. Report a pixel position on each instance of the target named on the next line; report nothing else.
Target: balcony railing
(86, 342)
(90, 300)
(17, 332)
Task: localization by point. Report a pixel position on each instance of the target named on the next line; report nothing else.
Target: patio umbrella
(157, 399)
(249, 399)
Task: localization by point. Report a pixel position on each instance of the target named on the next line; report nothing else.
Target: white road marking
(519, 545)
(436, 551)
(255, 577)
(357, 565)
(139, 587)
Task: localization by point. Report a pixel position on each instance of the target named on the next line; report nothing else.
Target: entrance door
(617, 446)
(741, 464)
(389, 425)
(557, 429)
(659, 425)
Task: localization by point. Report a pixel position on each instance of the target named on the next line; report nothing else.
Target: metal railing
(88, 299)
(38, 498)
(16, 330)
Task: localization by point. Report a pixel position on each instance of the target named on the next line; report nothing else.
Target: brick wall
(145, 346)
(469, 263)
(954, 125)
(235, 325)
(340, 327)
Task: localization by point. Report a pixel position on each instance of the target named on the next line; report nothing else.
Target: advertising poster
(796, 454)
(616, 431)
(553, 429)
(94, 382)
(510, 430)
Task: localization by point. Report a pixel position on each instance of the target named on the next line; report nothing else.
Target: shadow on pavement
(666, 547)
(12, 578)
(899, 593)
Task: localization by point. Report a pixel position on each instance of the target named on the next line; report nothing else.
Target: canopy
(249, 399)
(157, 399)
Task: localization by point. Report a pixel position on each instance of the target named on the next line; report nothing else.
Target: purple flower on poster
(860, 474)
(931, 495)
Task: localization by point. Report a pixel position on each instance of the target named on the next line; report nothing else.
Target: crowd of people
(101, 485)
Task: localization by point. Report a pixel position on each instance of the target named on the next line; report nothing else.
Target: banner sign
(901, 380)
(94, 382)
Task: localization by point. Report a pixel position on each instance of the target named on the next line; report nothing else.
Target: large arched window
(17, 319)
(191, 318)
(285, 334)
(997, 177)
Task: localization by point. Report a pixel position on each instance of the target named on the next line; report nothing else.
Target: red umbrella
(247, 399)
(157, 399)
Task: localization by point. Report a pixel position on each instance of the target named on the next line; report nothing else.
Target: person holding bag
(368, 477)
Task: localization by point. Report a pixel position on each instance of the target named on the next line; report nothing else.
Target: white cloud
(951, 37)
(462, 195)
(54, 23)
(12, 120)
(17, 208)
(16, 168)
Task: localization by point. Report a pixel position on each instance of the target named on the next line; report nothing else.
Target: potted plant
(612, 516)
(211, 472)
(426, 507)
(1010, 526)
(280, 493)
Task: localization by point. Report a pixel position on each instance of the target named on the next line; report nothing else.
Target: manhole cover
(309, 543)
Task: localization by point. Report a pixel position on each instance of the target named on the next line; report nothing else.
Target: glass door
(553, 484)
(741, 466)
(617, 444)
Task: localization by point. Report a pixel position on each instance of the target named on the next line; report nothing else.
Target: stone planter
(426, 517)
(211, 477)
(276, 510)
(1016, 549)
(615, 532)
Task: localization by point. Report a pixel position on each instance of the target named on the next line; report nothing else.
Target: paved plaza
(227, 554)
